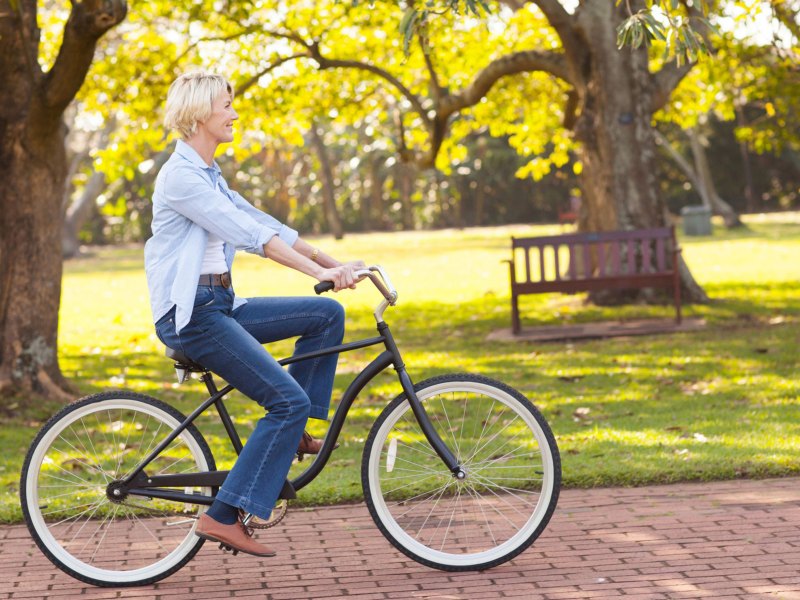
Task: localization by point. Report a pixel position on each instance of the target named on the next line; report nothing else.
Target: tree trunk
(30, 260)
(328, 186)
(32, 152)
(707, 189)
(78, 213)
(749, 188)
(406, 180)
(374, 210)
(617, 146)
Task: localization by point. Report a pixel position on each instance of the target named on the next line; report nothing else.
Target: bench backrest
(595, 260)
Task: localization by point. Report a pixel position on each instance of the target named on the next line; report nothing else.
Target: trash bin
(696, 220)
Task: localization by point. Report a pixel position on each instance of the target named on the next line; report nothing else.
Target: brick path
(738, 539)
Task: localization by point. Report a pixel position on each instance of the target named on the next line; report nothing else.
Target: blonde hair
(190, 99)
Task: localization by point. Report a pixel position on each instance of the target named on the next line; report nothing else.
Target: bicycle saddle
(184, 362)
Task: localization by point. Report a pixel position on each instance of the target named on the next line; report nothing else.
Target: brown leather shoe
(236, 537)
(310, 445)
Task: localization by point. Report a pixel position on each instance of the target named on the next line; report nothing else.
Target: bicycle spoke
(499, 497)
(84, 449)
(91, 443)
(424, 468)
(497, 510)
(489, 441)
(88, 519)
(421, 449)
(492, 514)
(415, 482)
(435, 504)
(410, 501)
(114, 440)
(479, 503)
(449, 427)
(124, 446)
(91, 537)
(87, 465)
(147, 529)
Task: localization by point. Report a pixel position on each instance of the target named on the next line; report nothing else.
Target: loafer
(234, 538)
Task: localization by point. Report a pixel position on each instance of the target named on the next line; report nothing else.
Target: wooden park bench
(584, 262)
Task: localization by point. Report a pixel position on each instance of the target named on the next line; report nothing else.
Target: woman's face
(220, 124)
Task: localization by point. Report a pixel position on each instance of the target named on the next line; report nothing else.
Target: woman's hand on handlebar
(343, 276)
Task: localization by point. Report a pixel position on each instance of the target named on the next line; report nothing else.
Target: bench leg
(677, 288)
(515, 326)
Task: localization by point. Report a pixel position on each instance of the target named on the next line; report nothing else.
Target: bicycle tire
(499, 510)
(79, 471)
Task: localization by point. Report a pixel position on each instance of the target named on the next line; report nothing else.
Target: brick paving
(737, 539)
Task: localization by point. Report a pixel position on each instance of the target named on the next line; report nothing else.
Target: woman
(198, 224)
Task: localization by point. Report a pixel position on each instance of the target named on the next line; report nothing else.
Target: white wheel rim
(54, 546)
(476, 558)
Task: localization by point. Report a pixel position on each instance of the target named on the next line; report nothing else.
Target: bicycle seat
(184, 362)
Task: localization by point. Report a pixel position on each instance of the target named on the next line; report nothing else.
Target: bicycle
(459, 472)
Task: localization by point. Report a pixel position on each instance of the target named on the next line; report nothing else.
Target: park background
(329, 142)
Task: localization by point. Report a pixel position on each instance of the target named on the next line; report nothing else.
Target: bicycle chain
(281, 508)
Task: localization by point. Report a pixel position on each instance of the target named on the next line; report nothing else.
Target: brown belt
(223, 279)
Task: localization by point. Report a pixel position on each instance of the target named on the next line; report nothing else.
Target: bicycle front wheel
(71, 513)
(513, 474)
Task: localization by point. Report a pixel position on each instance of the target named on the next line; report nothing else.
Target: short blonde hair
(190, 99)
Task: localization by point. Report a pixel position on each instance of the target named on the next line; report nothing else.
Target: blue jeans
(229, 343)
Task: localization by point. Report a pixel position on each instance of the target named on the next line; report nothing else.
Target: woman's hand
(343, 276)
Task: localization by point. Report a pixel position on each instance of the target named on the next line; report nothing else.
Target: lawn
(718, 403)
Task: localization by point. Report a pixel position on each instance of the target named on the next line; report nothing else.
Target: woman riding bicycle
(198, 225)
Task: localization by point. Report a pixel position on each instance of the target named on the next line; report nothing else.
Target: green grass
(717, 403)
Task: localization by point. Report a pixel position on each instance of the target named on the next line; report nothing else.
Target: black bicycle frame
(137, 483)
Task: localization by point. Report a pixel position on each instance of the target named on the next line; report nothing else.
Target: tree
(33, 156)
(609, 95)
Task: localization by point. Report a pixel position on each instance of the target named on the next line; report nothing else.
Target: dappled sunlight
(716, 403)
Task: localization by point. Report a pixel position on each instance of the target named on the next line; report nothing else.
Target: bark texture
(615, 94)
(32, 151)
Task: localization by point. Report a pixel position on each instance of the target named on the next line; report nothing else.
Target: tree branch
(665, 81)
(510, 64)
(787, 19)
(436, 88)
(564, 24)
(329, 63)
(254, 79)
(87, 22)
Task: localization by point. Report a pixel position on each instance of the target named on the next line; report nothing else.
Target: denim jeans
(229, 343)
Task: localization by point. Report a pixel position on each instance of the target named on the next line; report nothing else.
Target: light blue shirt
(190, 200)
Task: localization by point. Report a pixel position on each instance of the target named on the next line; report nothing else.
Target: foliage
(373, 103)
(715, 404)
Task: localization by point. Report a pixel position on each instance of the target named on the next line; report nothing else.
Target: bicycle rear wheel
(513, 474)
(87, 532)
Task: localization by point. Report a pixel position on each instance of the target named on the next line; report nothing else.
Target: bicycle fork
(433, 437)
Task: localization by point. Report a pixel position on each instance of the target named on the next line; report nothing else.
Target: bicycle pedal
(226, 548)
(300, 457)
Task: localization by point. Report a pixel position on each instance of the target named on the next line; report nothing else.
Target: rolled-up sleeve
(189, 193)
(286, 233)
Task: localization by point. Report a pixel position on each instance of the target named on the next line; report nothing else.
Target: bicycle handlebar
(379, 278)
(323, 286)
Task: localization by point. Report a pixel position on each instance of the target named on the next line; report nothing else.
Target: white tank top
(214, 259)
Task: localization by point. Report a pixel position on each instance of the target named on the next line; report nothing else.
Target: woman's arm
(323, 267)
(320, 257)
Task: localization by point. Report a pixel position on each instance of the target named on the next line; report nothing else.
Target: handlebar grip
(323, 286)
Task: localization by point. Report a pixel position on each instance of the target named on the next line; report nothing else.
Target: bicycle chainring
(278, 514)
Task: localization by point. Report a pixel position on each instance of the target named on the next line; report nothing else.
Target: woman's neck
(204, 146)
